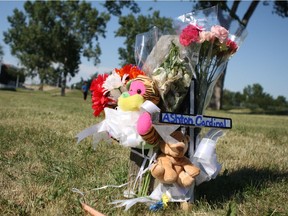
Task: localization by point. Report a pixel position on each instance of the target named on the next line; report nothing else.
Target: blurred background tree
(49, 37)
(1, 53)
(256, 99)
(131, 25)
(50, 33)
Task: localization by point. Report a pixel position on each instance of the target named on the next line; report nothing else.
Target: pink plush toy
(141, 89)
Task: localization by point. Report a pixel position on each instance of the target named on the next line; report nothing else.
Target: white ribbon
(113, 186)
(175, 192)
(130, 202)
(118, 124)
(100, 127)
(150, 107)
(121, 125)
(205, 157)
(165, 131)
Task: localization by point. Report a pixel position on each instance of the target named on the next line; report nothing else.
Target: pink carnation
(189, 34)
(220, 32)
(205, 36)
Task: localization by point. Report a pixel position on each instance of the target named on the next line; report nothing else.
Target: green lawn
(40, 162)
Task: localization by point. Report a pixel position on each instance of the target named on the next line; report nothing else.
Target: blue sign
(191, 120)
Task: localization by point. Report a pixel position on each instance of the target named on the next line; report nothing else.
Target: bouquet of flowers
(199, 49)
(208, 46)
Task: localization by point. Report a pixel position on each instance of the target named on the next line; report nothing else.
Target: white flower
(113, 81)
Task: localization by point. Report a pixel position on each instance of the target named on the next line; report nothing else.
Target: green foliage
(51, 33)
(131, 25)
(256, 99)
(115, 7)
(280, 8)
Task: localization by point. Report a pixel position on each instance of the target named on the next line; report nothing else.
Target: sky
(262, 57)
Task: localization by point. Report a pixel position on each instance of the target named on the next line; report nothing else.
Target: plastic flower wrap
(173, 79)
(166, 66)
(200, 48)
(207, 48)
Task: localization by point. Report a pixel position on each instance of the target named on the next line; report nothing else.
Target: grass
(40, 162)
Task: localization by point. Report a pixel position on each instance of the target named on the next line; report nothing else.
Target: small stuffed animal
(172, 166)
(121, 123)
(141, 89)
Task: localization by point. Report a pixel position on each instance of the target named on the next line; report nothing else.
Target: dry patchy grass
(40, 162)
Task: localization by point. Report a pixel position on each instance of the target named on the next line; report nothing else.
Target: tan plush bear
(172, 166)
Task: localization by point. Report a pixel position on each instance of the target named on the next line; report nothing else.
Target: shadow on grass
(234, 185)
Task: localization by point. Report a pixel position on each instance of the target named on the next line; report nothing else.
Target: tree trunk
(63, 84)
(41, 87)
(216, 100)
(249, 12)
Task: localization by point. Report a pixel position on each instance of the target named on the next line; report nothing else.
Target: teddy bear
(172, 166)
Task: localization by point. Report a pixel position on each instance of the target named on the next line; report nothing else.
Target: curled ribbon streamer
(130, 202)
(140, 174)
(141, 155)
(100, 127)
(142, 171)
(176, 194)
(75, 190)
(114, 186)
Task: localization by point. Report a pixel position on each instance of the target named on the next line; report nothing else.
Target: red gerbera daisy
(99, 99)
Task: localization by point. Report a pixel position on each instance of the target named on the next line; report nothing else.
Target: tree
(279, 7)
(56, 32)
(130, 26)
(280, 101)
(255, 97)
(115, 7)
(1, 52)
(232, 99)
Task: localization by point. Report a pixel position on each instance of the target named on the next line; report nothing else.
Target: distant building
(11, 77)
